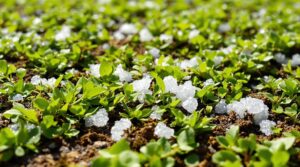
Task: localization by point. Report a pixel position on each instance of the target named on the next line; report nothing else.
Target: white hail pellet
(162, 130)
(95, 70)
(37, 21)
(295, 60)
(64, 33)
(208, 82)
(142, 84)
(142, 87)
(119, 127)
(123, 75)
(257, 108)
(118, 35)
(221, 107)
(253, 106)
(266, 127)
(145, 35)
(155, 115)
(185, 91)
(280, 58)
(154, 52)
(225, 27)
(14, 127)
(190, 104)
(99, 119)
(238, 108)
(65, 51)
(227, 50)
(17, 97)
(185, 64)
(193, 34)
(51, 82)
(166, 38)
(218, 60)
(36, 80)
(170, 84)
(128, 29)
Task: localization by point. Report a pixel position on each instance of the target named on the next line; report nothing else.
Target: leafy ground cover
(149, 83)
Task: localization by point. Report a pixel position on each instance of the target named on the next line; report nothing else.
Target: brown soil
(3, 122)
(60, 152)
(141, 134)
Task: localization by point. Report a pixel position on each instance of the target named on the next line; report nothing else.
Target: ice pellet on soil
(128, 29)
(65, 51)
(95, 70)
(118, 129)
(145, 35)
(193, 34)
(64, 33)
(123, 75)
(225, 27)
(208, 82)
(37, 21)
(118, 35)
(221, 107)
(190, 104)
(36, 80)
(185, 91)
(253, 106)
(142, 84)
(154, 52)
(227, 50)
(266, 127)
(295, 60)
(17, 97)
(162, 130)
(14, 127)
(218, 60)
(51, 82)
(185, 64)
(257, 108)
(280, 58)
(142, 87)
(166, 38)
(238, 108)
(170, 84)
(155, 115)
(99, 119)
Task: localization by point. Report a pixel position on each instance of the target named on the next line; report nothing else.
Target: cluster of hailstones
(253, 106)
(185, 92)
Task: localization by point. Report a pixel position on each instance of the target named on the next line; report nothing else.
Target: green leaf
(120, 146)
(186, 140)
(48, 121)
(3, 67)
(106, 68)
(41, 103)
(287, 142)
(233, 131)
(19, 151)
(159, 81)
(280, 158)
(129, 158)
(21, 73)
(90, 90)
(78, 110)
(28, 114)
(191, 160)
(221, 157)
